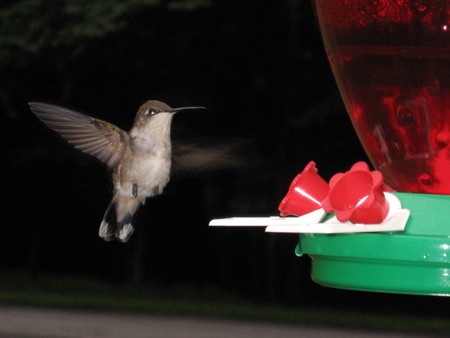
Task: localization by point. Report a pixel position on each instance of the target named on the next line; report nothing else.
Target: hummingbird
(140, 159)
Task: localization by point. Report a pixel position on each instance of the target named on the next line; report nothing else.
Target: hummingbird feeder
(391, 61)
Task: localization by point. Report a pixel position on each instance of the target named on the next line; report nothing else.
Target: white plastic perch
(311, 223)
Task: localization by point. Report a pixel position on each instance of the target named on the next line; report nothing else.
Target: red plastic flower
(357, 196)
(305, 194)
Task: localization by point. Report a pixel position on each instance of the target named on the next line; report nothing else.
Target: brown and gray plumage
(141, 158)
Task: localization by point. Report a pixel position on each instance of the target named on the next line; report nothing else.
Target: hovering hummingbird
(141, 158)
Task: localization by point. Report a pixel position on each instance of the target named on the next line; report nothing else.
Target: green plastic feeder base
(414, 261)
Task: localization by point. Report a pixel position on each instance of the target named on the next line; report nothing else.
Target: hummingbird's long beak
(175, 110)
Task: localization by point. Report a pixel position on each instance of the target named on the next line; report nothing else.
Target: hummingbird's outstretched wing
(95, 137)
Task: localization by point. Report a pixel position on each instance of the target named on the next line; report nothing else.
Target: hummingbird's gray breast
(145, 166)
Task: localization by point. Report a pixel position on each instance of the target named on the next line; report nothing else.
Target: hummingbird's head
(151, 110)
(155, 116)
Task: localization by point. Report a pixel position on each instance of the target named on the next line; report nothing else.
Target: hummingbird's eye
(151, 111)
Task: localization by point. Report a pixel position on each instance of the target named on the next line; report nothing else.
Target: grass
(80, 293)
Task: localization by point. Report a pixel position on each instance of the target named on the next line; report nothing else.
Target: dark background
(259, 68)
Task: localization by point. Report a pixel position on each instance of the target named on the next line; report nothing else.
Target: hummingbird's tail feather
(117, 222)
(108, 225)
(125, 229)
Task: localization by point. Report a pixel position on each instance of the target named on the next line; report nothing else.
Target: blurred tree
(63, 29)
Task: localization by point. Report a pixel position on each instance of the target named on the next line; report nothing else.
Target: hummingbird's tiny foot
(134, 190)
